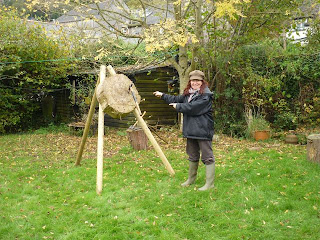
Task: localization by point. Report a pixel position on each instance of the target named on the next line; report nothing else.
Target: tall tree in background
(227, 32)
(202, 33)
(167, 26)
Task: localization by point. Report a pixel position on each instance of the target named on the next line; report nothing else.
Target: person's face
(196, 84)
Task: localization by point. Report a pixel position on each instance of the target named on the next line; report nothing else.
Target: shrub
(24, 76)
(286, 121)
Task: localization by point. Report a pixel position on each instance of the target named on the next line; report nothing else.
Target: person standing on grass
(196, 105)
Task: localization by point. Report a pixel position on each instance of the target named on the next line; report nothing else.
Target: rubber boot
(209, 178)
(193, 169)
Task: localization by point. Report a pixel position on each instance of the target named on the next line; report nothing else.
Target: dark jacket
(197, 114)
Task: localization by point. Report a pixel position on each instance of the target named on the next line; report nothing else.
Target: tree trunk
(313, 148)
(183, 71)
(138, 139)
(198, 60)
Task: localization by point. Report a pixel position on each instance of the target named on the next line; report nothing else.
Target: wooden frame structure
(141, 123)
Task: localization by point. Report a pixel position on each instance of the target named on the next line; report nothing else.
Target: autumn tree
(192, 33)
(163, 26)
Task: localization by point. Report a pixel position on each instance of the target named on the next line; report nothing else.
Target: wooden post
(154, 143)
(100, 138)
(313, 148)
(87, 126)
(111, 71)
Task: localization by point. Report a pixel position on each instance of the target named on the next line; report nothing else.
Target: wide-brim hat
(196, 75)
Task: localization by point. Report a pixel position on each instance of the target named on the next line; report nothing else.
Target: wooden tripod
(139, 118)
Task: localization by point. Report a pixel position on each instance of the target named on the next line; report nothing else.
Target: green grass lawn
(263, 190)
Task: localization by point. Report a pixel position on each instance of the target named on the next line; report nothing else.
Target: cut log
(117, 95)
(313, 148)
(138, 139)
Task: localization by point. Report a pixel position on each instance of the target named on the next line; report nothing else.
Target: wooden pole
(100, 138)
(111, 71)
(153, 141)
(87, 126)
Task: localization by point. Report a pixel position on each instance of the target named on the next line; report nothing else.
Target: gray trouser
(195, 146)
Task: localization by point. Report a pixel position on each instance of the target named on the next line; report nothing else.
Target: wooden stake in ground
(100, 137)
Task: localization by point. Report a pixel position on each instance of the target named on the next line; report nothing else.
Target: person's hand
(158, 94)
(174, 105)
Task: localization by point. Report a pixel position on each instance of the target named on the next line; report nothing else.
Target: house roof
(112, 10)
(309, 9)
(81, 13)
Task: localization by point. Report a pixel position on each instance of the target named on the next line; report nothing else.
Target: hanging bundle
(117, 95)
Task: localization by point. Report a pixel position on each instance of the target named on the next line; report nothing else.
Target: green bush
(286, 121)
(25, 75)
(280, 82)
